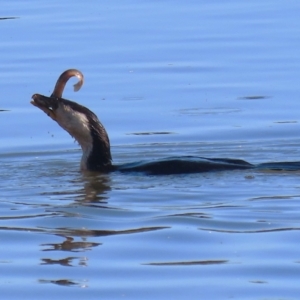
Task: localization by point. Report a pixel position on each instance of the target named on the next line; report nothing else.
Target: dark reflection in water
(8, 18)
(252, 231)
(277, 197)
(65, 262)
(66, 232)
(150, 133)
(285, 122)
(30, 216)
(188, 263)
(94, 189)
(197, 111)
(70, 245)
(190, 214)
(258, 281)
(254, 97)
(63, 282)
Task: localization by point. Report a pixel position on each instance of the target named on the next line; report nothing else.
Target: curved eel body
(63, 79)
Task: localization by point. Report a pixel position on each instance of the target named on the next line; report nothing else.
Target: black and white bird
(82, 124)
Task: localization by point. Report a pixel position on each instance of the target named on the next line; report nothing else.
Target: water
(219, 79)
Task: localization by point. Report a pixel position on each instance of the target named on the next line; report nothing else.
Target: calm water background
(219, 79)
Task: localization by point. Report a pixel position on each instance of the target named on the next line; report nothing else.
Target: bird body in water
(82, 124)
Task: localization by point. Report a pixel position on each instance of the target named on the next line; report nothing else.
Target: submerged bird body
(82, 124)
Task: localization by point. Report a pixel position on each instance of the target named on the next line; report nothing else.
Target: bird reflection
(65, 262)
(95, 187)
(70, 245)
(63, 282)
(86, 188)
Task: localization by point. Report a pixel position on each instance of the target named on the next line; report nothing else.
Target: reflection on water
(95, 188)
(65, 262)
(285, 122)
(188, 263)
(7, 18)
(150, 133)
(253, 97)
(63, 282)
(70, 245)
